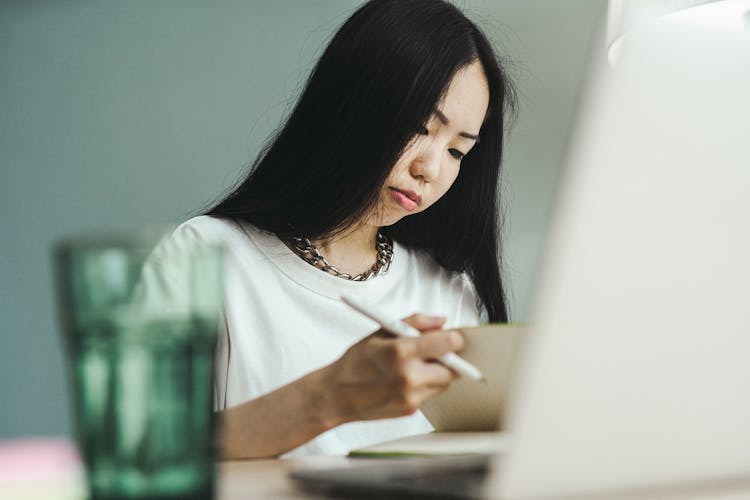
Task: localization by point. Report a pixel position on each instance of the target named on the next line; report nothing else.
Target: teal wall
(121, 113)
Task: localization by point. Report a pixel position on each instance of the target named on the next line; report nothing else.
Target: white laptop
(635, 376)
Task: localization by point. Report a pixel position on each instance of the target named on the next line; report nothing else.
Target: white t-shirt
(283, 319)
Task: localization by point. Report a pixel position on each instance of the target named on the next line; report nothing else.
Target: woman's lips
(408, 200)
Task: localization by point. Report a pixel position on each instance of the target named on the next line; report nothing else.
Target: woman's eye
(455, 153)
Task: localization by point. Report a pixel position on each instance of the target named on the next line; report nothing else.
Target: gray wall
(122, 113)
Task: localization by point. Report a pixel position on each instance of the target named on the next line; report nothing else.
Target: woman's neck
(352, 251)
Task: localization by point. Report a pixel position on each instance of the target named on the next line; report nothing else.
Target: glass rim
(143, 237)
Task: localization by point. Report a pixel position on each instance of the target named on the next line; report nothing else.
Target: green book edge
(405, 454)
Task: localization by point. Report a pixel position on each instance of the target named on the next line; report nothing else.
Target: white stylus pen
(401, 329)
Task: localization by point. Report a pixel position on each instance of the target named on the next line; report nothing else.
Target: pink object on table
(40, 468)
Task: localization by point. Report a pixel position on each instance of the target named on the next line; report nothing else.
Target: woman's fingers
(418, 382)
(411, 368)
(431, 345)
(423, 322)
(383, 375)
(434, 344)
(432, 375)
(432, 384)
(437, 342)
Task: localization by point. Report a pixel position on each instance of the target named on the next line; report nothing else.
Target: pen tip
(483, 380)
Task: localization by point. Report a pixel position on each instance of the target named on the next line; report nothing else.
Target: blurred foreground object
(637, 367)
(40, 469)
(140, 333)
(625, 17)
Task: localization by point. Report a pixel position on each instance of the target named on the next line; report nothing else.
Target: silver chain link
(312, 256)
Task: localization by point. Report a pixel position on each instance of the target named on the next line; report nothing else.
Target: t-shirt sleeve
(163, 286)
(221, 365)
(467, 311)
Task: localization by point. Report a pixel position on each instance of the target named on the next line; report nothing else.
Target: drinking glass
(139, 317)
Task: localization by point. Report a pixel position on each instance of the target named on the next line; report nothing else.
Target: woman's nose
(426, 163)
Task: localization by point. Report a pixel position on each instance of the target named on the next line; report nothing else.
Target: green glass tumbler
(139, 318)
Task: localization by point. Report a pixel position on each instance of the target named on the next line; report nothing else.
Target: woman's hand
(379, 377)
(384, 376)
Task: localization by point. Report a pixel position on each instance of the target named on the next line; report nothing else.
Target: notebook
(468, 417)
(634, 375)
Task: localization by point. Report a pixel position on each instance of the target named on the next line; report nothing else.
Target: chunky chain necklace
(312, 256)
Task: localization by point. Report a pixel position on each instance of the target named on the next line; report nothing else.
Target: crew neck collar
(317, 280)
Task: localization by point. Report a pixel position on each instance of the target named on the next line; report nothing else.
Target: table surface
(249, 479)
(62, 473)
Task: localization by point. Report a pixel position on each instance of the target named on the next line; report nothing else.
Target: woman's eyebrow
(445, 121)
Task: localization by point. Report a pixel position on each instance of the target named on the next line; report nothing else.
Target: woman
(382, 185)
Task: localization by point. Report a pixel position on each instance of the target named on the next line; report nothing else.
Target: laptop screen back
(638, 370)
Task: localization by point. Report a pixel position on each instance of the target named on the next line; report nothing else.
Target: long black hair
(378, 81)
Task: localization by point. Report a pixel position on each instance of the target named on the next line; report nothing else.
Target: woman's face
(430, 164)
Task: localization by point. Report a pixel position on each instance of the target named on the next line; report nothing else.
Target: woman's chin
(390, 219)
(388, 216)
